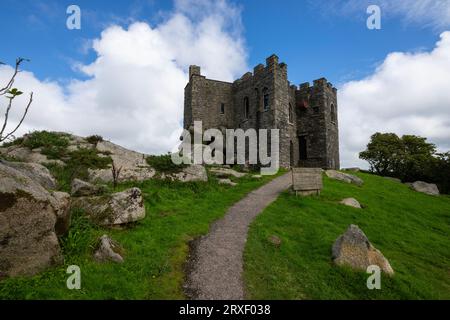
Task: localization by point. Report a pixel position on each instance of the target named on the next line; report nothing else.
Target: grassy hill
(155, 248)
(411, 229)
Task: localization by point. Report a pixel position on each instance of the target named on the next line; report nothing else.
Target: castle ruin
(306, 115)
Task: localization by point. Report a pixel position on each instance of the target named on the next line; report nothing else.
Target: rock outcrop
(113, 209)
(354, 249)
(345, 177)
(428, 188)
(225, 172)
(80, 188)
(28, 216)
(35, 171)
(190, 173)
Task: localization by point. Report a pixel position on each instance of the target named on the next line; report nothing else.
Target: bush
(53, 145)
(77, 166)
(94, 139)
(163, 163)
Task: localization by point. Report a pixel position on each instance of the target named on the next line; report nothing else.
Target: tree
(10, 94)
(383, 153)
(408, 158)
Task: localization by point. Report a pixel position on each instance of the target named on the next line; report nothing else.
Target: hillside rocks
(351, 202)
(345, 177)
(427, 188)
(354, 249)
(113, 209)
(28, 215)
(26, 155)
(35, 171)
(225, 172)
(108, 250)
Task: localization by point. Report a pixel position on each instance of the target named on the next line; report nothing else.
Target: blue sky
(312, 42)
(122, 75)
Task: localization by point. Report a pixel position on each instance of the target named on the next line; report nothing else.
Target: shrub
(53, 145)
(163, 163)
(94, 139)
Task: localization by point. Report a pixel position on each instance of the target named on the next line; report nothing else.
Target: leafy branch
(10, 94)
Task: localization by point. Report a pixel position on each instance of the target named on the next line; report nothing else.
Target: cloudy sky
(123, 74)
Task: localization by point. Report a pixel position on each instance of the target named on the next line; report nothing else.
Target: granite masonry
(306, 115)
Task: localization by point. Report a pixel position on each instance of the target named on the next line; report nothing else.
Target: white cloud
(135, 93)
(409, 93)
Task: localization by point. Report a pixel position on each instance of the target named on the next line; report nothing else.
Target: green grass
(411, 229)
(155, 248)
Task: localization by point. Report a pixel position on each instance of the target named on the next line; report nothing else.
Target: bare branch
(20, 122)
(5, 90)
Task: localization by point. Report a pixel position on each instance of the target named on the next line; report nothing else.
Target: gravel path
(214, 269)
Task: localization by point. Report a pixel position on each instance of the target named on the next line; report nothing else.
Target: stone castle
(306, 116)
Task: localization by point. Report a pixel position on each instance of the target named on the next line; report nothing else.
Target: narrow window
(266, 99)
(222, 108)
(316, 109)
(302, 148)
(291, 114)
(333, 113)
(246, 107)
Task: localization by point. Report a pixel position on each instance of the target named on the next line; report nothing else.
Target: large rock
(190, 173)
(354, 249)
(108, 250)
(28, 215)
(341, 176)
(225, 172)
(114, 209)
(428, 188)
(35, 171)
(351, 202)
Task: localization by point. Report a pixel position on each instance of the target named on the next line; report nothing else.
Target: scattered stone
(108, 250)
(351, 202)
(113, 209)
(275, 240)
(257, 176)
(35, 171)
(393, 179)
(192, 173)
(428, 188)
(341, 176)
(224, 172)
(227, 182)
(80, 188)
(28, 214)
(354, 249)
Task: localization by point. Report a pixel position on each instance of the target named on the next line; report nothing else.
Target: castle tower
(317, 123)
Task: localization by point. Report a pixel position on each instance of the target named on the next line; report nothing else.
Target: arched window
(333, 113)
(291, 114)
(266, 99)
(246, 107)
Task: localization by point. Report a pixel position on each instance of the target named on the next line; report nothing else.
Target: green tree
(383, 153)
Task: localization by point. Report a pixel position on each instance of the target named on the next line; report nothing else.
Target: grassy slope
(410, 228)
(155, 248)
